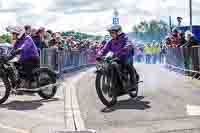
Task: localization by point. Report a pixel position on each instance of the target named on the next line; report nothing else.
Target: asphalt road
(167, 102)
(32, 114)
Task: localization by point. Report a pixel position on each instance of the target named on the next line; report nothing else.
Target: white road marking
(68, 116)
(17, 130)
(76, 110)
(75, 106)
(71, 108)
(193, 110)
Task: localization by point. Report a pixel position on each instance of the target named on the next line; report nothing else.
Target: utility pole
(190, 1)
(170, 23)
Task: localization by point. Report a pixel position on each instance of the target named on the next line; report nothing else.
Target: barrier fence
(63, 60)
(186, 60)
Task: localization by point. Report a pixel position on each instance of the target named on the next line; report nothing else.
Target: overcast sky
(92, 16)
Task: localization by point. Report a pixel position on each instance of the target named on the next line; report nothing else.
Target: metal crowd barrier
(186, 60)
(63, 60)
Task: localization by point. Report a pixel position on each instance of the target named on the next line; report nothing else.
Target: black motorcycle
(13, 80)
(111, 83)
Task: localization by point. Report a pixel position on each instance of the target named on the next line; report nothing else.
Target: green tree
(153, 30)
(5, 38)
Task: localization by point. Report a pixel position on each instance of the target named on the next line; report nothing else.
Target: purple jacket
(116, 46)
(29, 49)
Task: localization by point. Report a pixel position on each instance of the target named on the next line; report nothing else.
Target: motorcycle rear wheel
(49, 78)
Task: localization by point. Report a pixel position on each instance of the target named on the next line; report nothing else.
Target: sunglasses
(112, 32)
(14, 33)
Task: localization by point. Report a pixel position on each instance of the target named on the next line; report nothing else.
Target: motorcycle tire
(100, 93)
(7, 85)
(42, 82)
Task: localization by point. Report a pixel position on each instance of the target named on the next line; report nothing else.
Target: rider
(26, 48)
(119, 45)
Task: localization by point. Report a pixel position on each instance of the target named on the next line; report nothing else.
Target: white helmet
(19, 30)
(116, 28)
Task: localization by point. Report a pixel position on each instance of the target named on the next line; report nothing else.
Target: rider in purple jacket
(121, 48)
(26, 48)
(117, 46)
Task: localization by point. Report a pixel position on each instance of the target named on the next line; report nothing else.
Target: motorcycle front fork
(13, 77)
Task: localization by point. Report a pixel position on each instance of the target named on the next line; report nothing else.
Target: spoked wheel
(46, 78)
(134, 92)
(103, 88)
(5, 89)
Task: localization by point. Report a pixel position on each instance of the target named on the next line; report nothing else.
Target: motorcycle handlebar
(6, 58)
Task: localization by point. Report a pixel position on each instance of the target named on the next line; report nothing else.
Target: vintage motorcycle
(111, 83)
(13, 80)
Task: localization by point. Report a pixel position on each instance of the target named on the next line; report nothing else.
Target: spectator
(47, 38)
(42, 33)
(175, 39)
(158, 52)
(36, 38)
(57, 42)
(191, 40)
(168, 42)
(163, 54)
(182, 39)
(53, 40)
(154, 52)
(50, 32)
(27, 29)
(66, 44)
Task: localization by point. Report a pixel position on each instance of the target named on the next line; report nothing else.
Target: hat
(16, 29)
(26, 27)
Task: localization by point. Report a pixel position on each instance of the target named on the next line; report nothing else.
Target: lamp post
(190, 4)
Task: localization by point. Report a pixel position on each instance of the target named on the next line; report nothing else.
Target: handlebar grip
(98, 58)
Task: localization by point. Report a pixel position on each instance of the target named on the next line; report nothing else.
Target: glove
(15, 52)
(98, 58)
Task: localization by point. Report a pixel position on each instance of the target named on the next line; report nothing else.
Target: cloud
(15, 6)
(83, 6)
(91, 15)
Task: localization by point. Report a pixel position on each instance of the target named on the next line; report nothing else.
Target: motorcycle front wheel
(5, 88)
(103, 85)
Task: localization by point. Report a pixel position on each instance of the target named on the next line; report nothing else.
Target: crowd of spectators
(48, 39)
(151, 53)
(180, 39)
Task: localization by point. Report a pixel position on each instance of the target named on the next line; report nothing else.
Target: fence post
(59, 61)
(41, 55)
